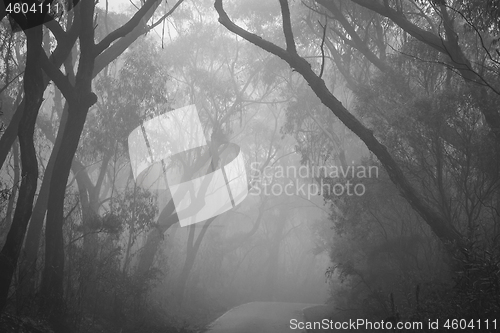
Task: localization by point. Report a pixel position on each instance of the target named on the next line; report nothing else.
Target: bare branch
(252, 38)
(356, 41)
(126, 28)
(177, 4)
(287, 27)
(322, 47)
(441, 227)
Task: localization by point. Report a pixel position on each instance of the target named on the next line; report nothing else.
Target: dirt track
(262, 317)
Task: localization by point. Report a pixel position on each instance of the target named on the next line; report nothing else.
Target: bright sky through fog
(117, 5)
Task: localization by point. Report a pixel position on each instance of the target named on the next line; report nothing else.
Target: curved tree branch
(439, 225)
(448, 47)
(126, 28)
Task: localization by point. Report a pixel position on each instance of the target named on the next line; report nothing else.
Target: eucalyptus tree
(424, 75)
(217, 73)
(426, 84)
(77, 91)
(427, 117)
(440, 225)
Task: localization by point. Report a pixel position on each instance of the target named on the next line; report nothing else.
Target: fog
(259, 166)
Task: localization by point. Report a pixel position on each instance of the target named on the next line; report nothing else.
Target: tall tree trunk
(167, 218)
(441, 227)
(32, 244)
(10, 134)
(36, 225)
(191, 252)
(13, 194)
(52, 301)
(52, 278)
(105, 58)
(33, 89)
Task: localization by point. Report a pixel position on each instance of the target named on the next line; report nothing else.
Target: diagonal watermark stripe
(198, 199)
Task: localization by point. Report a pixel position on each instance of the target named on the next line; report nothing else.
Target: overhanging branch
(439, 225)
(125, 29)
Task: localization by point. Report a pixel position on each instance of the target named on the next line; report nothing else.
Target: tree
(438, 224)
(78, 95)
(32, 86)
(215, 72)
(479, 72)
(432, 121)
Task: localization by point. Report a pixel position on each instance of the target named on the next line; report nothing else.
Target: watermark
(197, 197)
(27, 14)
(328, 324)
(364, 324)
(309, 181)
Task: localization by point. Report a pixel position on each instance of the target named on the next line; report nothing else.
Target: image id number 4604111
(479, 324)
(34, 7)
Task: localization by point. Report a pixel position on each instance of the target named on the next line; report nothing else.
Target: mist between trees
(393, 101)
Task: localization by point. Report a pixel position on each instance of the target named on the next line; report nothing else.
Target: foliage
(472, 297)
(431, 122)
(134, 93)
(485, 15)
(385, 260)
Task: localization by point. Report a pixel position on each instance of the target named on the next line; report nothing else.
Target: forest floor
(13, 324)
(20, 324)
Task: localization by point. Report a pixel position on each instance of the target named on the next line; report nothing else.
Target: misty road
(262, 317)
